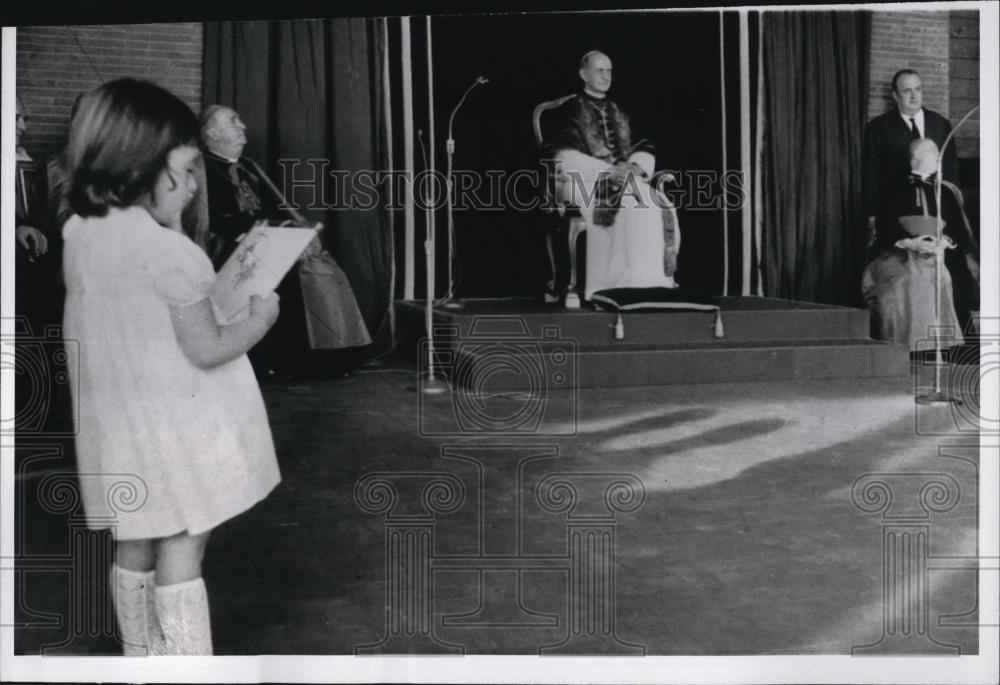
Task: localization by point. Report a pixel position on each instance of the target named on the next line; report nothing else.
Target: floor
(732, 529)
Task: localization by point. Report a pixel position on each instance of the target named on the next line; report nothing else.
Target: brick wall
(56, 63)
(963, 77)
(914, 40)
(943, 47)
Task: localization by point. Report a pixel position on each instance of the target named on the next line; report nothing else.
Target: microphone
(450, 142)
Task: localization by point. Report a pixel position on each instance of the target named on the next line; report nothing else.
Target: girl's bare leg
(179, 557)
(135, 555)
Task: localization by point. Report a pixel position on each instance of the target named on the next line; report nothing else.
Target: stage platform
(764, 339)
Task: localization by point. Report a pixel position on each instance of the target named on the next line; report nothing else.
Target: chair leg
(575, 229)
(572, 296)
(672, 239)
(551, 295)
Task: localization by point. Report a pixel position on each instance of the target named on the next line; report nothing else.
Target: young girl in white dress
(172, 434)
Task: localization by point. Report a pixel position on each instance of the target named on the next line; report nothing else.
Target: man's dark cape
(575, 125)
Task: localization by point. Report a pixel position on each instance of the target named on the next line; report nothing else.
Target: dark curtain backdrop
(666, 76)
(311, 90)
(816, 85)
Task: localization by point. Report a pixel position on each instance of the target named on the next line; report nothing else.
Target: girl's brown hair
(119, 141)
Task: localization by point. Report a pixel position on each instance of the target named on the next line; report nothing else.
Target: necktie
(913, 128)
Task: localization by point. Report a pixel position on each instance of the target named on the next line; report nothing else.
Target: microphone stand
(449, 298)
(937, 393)
(431, 384)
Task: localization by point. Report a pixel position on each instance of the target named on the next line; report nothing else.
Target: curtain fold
(816, 81)
(309, 92)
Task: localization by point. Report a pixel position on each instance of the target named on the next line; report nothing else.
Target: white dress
(162, 445)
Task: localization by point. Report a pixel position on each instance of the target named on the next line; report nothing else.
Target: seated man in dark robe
(233, 182)
(42, 402)
(38, 287)
(633, 237)
(238, 196)
(900, 283)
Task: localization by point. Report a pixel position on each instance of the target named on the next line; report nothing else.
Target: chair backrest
(543, 107)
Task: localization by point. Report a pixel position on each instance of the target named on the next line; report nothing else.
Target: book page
(256, 267)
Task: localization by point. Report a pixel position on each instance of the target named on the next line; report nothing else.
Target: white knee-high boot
(183, 612)
(135, 609)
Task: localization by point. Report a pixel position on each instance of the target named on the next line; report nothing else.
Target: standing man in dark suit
(886, 153)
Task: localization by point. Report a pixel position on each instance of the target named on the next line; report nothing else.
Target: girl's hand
(265, 308)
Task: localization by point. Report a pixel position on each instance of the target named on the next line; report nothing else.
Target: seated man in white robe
(633, 237)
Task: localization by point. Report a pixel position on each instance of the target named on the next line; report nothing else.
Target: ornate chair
(564, 218)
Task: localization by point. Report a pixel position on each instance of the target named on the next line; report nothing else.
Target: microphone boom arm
(450, 149)
(451, 119)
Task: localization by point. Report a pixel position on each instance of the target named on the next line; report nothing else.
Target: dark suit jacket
(886, 159)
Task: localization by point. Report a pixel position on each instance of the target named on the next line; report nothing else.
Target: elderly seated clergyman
(318, 307)
(605, 170)
(901, 282)
(234, 186)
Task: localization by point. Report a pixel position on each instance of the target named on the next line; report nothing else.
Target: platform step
(744, 319)
(503, 341)
(630, 364)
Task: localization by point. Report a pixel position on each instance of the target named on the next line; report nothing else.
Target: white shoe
(183, 612)
(135, 609)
